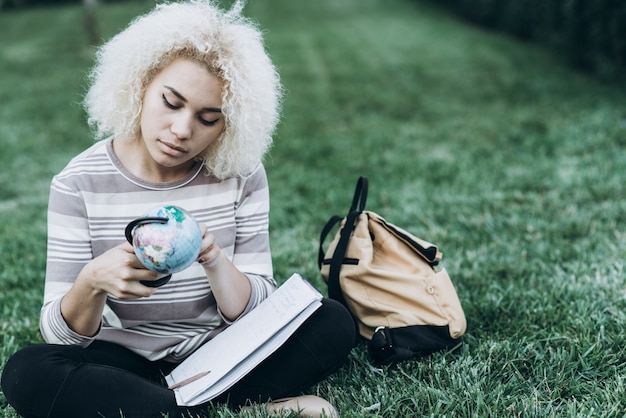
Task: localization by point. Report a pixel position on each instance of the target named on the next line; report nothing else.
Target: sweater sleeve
(69, 249)
(252, 247)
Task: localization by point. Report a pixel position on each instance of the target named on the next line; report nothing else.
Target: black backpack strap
(358, 203)
(325, 231)
(356, 208)
(334, 287)
(360, 195)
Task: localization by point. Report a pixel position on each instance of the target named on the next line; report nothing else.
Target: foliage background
(589, 34)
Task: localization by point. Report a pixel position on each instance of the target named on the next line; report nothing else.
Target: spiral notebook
(224, 360)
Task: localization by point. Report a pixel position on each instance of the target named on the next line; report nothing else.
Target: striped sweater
(91, 201)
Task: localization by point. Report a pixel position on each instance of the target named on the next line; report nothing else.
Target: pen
(189, 380)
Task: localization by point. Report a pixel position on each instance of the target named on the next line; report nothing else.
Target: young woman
(185, 101)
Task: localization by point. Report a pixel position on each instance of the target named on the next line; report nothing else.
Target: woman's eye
(168, 104)
(209, 122)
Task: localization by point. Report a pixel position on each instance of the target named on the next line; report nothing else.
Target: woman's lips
(172, 149)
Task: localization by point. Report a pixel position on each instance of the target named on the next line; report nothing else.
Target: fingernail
(201, 260)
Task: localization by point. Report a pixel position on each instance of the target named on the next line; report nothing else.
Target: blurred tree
(590, 34)
(90, 22)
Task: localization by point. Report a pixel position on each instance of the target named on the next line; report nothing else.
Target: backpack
(388, 279)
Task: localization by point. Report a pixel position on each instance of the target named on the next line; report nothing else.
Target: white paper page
(233, 345)
(249, 363)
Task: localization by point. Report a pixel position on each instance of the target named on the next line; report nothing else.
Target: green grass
(511, 162)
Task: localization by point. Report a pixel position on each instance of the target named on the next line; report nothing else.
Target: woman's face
(181, 115)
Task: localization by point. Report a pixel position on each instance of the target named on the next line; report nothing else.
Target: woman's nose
(181, 126)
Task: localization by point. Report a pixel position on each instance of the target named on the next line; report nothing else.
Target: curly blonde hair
(229, 45)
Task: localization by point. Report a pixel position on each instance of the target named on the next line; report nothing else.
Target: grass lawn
(511, 162)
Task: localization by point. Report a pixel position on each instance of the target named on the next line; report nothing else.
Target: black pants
(107, 380)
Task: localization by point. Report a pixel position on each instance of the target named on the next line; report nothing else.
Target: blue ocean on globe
(168, 241)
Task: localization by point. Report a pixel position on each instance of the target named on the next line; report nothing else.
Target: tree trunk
(90, 22)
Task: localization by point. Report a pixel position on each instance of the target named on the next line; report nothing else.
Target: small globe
(166, 239)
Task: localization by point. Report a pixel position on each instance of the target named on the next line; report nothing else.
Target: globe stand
(156, 283)
(129, 237)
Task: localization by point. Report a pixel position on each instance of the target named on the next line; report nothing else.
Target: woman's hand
(210, 252)
(116, 272)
